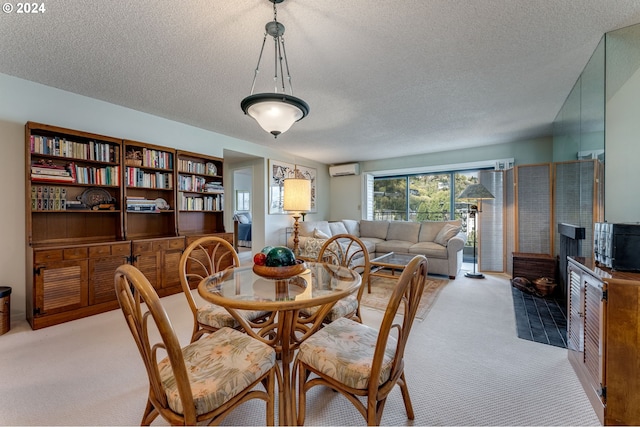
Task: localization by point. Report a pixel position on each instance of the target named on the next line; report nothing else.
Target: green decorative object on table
(279, 263)
(280, 256)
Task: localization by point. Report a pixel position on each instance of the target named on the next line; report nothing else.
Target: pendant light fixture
(275, 112)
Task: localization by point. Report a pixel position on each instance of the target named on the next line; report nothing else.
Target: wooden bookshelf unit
(94, 202)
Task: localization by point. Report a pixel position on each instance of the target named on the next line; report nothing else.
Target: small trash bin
(5, 309)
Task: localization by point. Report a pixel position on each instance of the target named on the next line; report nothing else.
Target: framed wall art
(278, 172)
(310, 174)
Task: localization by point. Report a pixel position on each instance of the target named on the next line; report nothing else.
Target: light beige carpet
(465, 367)
(381, 288)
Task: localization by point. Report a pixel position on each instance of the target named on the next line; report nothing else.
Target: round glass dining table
(319, 287)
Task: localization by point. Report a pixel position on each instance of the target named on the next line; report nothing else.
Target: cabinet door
(171, 263)
(149, 264)
(575, 326)
(60, 286)
(593, 332)
(101, 273)
(158, 260)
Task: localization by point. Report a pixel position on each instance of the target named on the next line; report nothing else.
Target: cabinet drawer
(121, 249)
(75, 253)
(50, 255)
(111, 249)
(176, 244)
(99, 251)
(142, 247)
(160, 245)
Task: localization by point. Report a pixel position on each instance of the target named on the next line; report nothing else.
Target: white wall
(23, 101)
(622, 148)
(346, 191)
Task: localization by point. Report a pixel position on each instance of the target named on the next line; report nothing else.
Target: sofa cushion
(352, 226)
(398, 246)
(430, 229)
(337, 228)
(319, 234)
(306, 228)
(404, 230)
(377, 229)
(446, 233)
(429, 249)
(370, 244)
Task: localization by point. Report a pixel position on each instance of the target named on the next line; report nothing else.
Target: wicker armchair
(202, 258)
(203, 381)
(348, 251)
(359, 361)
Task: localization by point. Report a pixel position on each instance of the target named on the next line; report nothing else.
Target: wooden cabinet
(94, 203)
(603, 332)
(159, 261)
(75, 281)
(200, 197)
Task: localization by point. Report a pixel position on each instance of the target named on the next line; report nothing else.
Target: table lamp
(297, 199)
(478, 192)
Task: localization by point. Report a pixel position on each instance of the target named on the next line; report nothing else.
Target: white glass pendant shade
(275, 113)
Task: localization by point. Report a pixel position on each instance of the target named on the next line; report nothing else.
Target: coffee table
(382, 262)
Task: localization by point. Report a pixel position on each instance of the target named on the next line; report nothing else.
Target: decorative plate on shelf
(95, 196)
(162, 204)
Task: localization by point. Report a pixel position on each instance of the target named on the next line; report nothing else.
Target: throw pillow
(242, 219)
(319, 234)
(446, 233)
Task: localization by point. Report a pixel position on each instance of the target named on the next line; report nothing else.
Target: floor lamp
(297, 199)
(476, 192)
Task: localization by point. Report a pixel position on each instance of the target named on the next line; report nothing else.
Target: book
(53, 172)
(52, 178)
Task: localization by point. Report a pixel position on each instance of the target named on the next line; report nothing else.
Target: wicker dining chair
(204, 257)
(359, 361)
(204, 381)
(348, 251)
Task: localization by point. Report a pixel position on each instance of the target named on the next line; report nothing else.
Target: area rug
(382, 287)
(538, 319)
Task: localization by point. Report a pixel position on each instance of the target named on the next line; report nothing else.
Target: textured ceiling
(383, 79)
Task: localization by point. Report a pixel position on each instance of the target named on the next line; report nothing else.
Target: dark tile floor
(538, 319)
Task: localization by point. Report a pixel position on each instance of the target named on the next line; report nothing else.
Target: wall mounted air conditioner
(344, 170)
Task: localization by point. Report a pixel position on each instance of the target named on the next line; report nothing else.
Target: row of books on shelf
(136, 177)
(44, 198)
(152, 158)
(62, 147)
(51, 173)
(198, 184)
(72, 173)
(206, 203)
(191, 166)
(98, 176)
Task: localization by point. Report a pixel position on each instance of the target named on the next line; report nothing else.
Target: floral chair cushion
(343, 307)
(343, 350)
(220, 366)
(218, 317)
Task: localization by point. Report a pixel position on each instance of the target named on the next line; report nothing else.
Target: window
(422, 197)
(243, 200)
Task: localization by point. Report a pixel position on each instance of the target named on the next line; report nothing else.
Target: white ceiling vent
(345, 170)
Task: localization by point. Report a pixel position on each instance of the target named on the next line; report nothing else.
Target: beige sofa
(440, 241)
